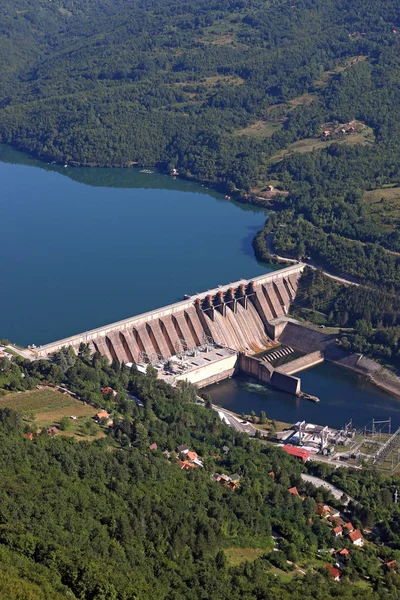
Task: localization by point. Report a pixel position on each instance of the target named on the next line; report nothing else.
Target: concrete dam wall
(236, 316)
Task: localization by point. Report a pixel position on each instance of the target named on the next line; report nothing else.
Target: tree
(263, 417)
(65, 424)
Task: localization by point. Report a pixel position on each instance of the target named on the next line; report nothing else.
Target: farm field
(46, 407)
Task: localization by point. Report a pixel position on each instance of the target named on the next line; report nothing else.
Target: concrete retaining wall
(286, 383)
(304, 362)
(263, 371)
(304, 339)
(255, 367)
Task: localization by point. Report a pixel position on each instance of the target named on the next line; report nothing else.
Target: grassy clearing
(36, 400)
(326, 76)
(383, 206)
(285, 576)
(275, 117)
(47, 407)
(365, 137)
(260, 129)
(237, 556)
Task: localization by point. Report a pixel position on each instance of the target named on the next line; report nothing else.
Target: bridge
(244, 316)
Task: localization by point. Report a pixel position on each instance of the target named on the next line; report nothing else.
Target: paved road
(234, 422)
(269, 240)
(317, 482)
(24, 352)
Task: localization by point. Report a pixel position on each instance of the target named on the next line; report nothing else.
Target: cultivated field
(46, 407)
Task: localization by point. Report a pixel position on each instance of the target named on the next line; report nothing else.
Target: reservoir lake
(89, 246)
(83, 247)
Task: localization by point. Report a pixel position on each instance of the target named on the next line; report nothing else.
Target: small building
(103, 414)
(327, 133)
(29, 436)
(272, 474)
(338, 531)
(52, 431)
(191, 455)
(215, 476)
(334, 572)
(235, 478)
(357, 538)
(107, 391)
(299, 453)
(348, 527)
(293, 491)
(224, 479)
(344, 552)
(183, 449)
(322, 510)
(391, 565)
(153, 446)
(184, 464)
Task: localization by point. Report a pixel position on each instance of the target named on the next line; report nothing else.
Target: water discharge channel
(85, 247)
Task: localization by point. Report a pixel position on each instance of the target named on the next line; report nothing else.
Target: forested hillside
(116, 519)
(116, 82)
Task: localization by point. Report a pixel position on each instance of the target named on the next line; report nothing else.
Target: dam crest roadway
(243, 316)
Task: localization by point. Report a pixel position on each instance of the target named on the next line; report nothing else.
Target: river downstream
(343, 395)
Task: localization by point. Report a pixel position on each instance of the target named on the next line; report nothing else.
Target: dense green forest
(112, 520)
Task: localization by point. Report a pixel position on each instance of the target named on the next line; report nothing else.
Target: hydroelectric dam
(207, 336)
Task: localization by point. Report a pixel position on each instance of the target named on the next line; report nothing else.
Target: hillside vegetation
(116, 519)
(116, 82)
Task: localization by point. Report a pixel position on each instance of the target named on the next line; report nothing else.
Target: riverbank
(373, 372)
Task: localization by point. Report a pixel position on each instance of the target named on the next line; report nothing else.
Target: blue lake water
(88, 246)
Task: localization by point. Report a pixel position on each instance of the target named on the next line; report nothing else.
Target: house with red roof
(344, 552)
(299, 453)
(338, 531)
(191, 455)
(29, 436)
(184, 464)
(293, 491)
(153, 446)
(357, 538)
(391, 565)
(348, 527)
(334, 572)
(107, 391)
